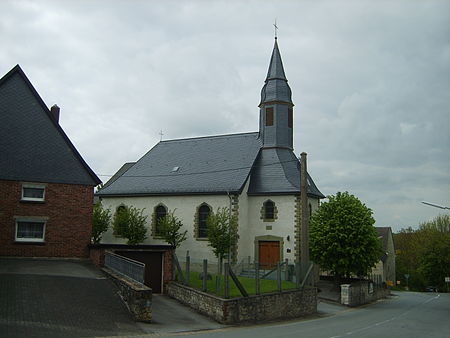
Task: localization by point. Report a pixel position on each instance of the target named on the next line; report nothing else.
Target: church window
(310, 210)
(269, 211)
(269, 116)
(290, 117)
(203, 213)
(159, 213)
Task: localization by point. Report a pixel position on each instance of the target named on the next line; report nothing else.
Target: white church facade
(256, 173)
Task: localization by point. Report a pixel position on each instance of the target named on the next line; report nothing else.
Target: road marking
(390, 320)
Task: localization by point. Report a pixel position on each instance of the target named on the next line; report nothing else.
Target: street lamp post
(436, 205)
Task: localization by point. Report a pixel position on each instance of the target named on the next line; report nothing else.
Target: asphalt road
(408, 314)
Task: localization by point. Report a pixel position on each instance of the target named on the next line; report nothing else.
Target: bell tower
(276, 107)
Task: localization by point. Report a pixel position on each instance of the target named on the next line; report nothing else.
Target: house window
(160, 213)
(269, 116)
(203, 214)
(269, 211)
(30, 230)
(290, 117)
(33, 192)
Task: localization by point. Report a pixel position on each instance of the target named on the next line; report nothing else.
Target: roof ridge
(206, 137)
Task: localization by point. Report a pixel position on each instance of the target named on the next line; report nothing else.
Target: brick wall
(68, 228)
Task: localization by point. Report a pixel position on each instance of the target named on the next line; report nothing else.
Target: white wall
(185, 206)
(250, 223)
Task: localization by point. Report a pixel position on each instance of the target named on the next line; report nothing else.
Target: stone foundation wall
(137, 296)
(288, 304)
(360, 293)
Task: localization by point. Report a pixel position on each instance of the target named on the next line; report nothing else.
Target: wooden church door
(269, 254)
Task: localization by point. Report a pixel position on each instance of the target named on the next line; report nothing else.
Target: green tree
(343, 239)
(424, 253)
(129, 223)
(100, 222)
(170, 226)
(222, 234)
(435, 259)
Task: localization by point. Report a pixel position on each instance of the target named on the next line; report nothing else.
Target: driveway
(72, 298)
(54, 298)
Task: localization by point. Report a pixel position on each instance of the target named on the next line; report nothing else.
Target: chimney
(54, 110)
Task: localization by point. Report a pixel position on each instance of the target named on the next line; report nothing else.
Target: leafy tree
(435, 259)
(222, 234)
(129, 223)
(170, 226)
(343, 239)
(424, 254)
(100, 222)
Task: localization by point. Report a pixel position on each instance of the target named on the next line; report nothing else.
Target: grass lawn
(266, 285)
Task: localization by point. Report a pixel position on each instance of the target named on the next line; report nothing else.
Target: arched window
(160, 213)
(203, 213)
(121, 208)
(269, 210)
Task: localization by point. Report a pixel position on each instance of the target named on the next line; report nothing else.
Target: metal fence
(125, 266)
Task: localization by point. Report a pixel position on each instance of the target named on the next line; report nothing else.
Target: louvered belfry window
(269, 116)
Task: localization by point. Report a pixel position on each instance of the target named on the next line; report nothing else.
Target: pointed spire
(276, 88)
(276, 70)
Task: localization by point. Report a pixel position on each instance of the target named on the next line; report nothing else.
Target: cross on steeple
(161, 135)
(276, 28)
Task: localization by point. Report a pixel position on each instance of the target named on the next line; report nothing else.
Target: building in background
(46, 188)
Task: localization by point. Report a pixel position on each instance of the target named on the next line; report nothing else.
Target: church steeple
(276, 113)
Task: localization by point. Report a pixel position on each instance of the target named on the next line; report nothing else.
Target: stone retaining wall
(360, 293)
(270, 306)
(137, 296)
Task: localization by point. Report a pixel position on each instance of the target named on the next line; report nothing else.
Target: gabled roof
(210, 165)
(277, 171)
(33, 147)
(203, 165)
(123, 169)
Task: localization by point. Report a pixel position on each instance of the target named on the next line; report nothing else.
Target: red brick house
(46, 188)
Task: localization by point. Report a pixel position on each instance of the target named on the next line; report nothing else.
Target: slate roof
(211, 165)
(277, 171)
(123, 169)
(206, 165)
(33, 147)
(276, 88)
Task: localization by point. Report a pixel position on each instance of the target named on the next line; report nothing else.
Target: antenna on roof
(276, 28)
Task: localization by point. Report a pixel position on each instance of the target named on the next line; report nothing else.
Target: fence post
(257, 290)
(297, 274)
(279, 276)
(205, 275)
(227, 280)
(188, 269)
(286, 269)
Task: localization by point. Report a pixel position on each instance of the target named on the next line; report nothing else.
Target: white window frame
(42, 220)
(34, 186)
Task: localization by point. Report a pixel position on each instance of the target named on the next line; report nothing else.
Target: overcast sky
(370, 83)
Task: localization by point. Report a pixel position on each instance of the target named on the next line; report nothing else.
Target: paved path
(63, 298)
(409, 315)
(59, 299)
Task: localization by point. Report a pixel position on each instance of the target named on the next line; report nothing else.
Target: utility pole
(304, 239)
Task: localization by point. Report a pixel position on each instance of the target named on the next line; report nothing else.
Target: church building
(257, 174)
